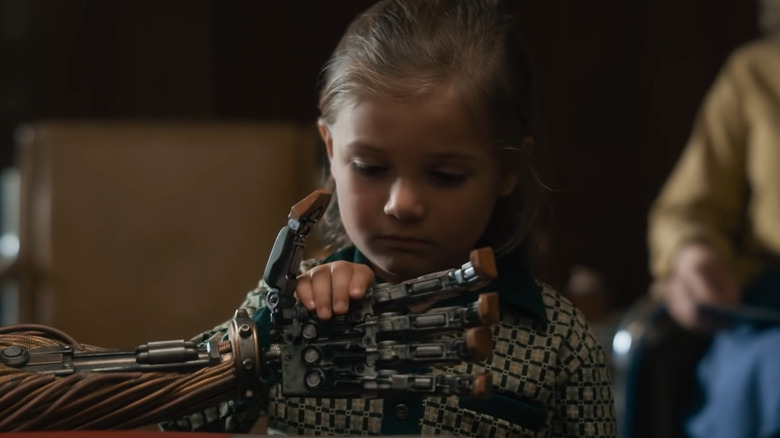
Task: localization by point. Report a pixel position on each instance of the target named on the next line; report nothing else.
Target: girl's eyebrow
(454, 156)
(361, 146)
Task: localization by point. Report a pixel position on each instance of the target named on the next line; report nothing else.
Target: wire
(102, 400)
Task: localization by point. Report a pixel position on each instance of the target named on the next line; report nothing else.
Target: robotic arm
(50, 381)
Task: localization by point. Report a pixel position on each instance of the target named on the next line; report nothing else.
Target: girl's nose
(405, 201)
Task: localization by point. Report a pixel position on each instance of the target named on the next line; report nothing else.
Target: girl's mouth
(407, 243)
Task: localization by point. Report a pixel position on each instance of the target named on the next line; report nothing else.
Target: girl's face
(416, 182)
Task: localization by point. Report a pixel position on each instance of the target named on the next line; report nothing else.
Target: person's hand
(328, 288)
(699, 276)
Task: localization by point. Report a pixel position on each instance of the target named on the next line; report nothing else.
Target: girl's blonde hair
(407, 48)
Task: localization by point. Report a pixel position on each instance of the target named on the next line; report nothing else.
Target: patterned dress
(550, 378)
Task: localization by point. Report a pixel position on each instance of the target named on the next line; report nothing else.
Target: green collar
(515, 285)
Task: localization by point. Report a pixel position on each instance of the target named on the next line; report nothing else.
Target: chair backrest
(139, 231)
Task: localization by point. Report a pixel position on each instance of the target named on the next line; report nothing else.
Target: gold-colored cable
(101, 400)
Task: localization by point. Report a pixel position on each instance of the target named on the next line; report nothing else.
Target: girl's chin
(398, 269)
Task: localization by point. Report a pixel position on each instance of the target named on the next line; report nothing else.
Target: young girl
(426, 113)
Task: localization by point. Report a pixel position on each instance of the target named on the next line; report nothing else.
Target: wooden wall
(619, 83)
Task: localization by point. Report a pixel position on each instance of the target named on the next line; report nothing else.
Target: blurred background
(618, 86)
(151, 150)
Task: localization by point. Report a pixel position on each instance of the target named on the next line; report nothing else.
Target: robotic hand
(50, 381)
(364, 352)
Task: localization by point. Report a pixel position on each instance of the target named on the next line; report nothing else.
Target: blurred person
(714, 239)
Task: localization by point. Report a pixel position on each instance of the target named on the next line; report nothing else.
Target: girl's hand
(699, 276)
(328, 288)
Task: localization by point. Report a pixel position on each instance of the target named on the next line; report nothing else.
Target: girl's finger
(341, 275)
(362, 279)
(304, 292)
(322, 292)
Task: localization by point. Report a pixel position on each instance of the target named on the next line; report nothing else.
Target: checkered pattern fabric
(559, 369)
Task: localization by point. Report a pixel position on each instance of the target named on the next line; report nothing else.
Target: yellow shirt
(725, 189)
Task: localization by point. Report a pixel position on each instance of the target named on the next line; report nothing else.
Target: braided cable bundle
(109, 399)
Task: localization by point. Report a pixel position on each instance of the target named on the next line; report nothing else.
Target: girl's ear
(326, 138)
(527, 147)
(512, 161)
(508, 184)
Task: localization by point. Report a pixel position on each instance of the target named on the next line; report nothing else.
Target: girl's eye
(368, 169)
(448, 179)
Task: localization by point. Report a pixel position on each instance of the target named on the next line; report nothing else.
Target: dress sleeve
(585, 387)
(232, 415)
(253, 301)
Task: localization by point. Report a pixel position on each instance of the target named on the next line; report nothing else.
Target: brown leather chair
(132, 231)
